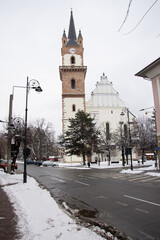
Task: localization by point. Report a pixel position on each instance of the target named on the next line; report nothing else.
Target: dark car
(38, 163)
(29, 161)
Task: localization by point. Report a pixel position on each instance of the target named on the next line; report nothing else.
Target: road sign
(157, 148)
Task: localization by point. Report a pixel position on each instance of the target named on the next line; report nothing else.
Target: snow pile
(39, 216)
(139, 170)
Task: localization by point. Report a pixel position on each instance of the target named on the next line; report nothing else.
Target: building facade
(152, 73)
(109, 112)
(105, 106)
(72, 75)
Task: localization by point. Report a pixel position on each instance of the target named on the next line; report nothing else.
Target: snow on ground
(39, 216)
(148, 169)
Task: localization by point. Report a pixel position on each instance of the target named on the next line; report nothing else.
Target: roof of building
(64, 34)
(105, 95)
(80, 34)
(72, 39)
(144, 71)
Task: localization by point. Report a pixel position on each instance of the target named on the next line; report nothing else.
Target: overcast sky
(30, 45)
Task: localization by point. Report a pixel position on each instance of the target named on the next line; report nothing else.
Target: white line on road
(141, 210)
(83, 183)
(60, 180)
(123, 204)
(142, 200)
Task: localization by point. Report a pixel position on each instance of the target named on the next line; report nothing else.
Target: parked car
(3, 165)
(49, 163)
(38, 163)
(29, 161)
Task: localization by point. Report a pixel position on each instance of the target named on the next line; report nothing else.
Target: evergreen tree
(82, 137)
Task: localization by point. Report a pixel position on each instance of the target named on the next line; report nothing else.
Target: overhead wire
(142, 18)
(127, 13)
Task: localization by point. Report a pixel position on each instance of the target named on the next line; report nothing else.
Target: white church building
(108, 110)
(105, 105)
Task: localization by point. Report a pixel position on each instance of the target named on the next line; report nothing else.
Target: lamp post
(122, 139)
(129, 149)
(32, 84)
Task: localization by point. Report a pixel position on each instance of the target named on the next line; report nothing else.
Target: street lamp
(129, 149)
(122, 140)
(32, 84)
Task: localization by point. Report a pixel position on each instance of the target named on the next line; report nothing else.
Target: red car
(3, 164)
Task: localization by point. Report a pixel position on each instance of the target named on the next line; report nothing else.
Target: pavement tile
(8, 218)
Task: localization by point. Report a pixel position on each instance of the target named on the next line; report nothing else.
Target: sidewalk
(8, 221)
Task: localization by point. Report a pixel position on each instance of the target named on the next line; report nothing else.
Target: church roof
(72, 39)
(104, 95)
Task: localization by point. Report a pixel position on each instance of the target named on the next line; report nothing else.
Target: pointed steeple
(72, 39)
(64, 34)
(80, 35)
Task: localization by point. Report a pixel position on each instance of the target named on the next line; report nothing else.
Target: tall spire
(72, 39)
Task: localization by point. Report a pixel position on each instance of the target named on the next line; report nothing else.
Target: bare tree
(41, 139)
(121, 140)
(146, 133)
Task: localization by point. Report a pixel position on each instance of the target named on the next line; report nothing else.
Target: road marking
(60, 180)
(141, 210)
(123, 204)
(139, 178)
(101, 197)
(142, 200)
(83, 183)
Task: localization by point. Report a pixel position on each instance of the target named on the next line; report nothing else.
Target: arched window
(73, 107)
(72, 60)
(73, 84)
(125, 130)
(107, 131)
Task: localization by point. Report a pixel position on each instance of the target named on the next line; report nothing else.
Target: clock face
(72, 50)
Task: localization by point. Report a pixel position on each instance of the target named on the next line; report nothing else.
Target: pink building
(152, 72)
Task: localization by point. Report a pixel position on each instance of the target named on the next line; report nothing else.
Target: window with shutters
(107, 131)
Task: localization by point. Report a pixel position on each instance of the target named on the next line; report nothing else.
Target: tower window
(72, 60)
(73, 84)
(73, 107)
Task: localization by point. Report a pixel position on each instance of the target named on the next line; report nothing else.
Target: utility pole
(9, 135)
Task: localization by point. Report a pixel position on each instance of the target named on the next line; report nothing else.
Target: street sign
(157, 148)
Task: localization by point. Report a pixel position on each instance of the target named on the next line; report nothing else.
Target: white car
(49, 163)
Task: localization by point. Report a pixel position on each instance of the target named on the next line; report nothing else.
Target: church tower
(72, 74)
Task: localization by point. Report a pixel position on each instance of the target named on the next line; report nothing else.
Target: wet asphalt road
(131, 203)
